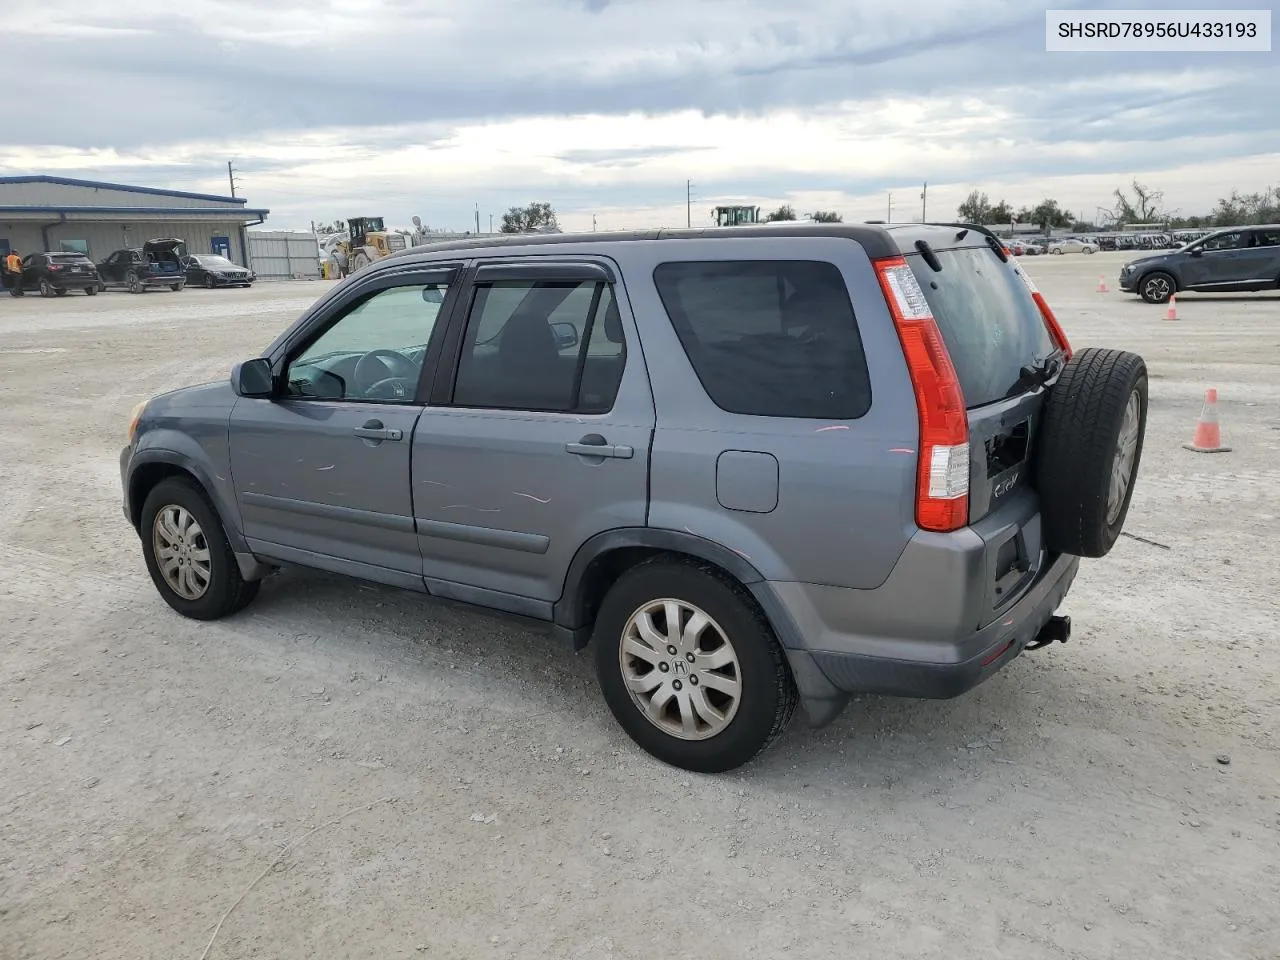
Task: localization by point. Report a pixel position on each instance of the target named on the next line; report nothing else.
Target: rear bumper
(934, 629)
(941, 670)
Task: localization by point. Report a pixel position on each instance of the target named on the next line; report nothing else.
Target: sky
(608, 108)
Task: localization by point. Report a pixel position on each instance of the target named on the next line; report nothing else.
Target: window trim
(733, 258)
(333, 313)
(482, 274)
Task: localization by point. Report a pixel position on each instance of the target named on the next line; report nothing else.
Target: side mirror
(566, 335)
(253, 378)
(1197, 252)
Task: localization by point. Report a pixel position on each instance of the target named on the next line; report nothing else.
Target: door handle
(594, 445)
(374, 430)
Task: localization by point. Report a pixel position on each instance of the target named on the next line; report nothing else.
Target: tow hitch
(1058, 628)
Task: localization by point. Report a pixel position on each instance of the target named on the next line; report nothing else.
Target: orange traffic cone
(1208, 438)
(1172, 312)
(1102, 285)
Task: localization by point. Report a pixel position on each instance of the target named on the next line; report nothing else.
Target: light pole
(889, 212)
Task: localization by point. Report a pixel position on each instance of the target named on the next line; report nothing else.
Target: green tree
(976, 208)
(530, 218)
(1046, 215)
(1001, 213)
(784, 212)
(1142, 207)
(826, 216)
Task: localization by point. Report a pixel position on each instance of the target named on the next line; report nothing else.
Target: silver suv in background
(754, 468)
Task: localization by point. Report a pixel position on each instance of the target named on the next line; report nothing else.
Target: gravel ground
(351, 771)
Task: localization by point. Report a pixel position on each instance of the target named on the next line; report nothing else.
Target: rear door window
(990, 324)
(769, 338)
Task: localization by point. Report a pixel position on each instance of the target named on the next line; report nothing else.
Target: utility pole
(924, 194)
(688, 203)
(477, 218)
(491, 223)
(889, 214)
(593, 223)
(231, 177)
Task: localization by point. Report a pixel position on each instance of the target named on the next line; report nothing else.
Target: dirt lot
(454, 786)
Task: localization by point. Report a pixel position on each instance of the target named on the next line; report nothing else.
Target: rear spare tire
(1095, 419)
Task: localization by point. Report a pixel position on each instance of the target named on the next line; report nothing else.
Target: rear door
(539, 441)
(998, 342)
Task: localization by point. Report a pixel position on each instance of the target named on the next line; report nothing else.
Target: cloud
(434, 106)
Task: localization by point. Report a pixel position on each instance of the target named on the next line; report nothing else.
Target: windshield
(214, 262)
(990, 324)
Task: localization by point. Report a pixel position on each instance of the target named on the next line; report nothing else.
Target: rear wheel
(175, 287)
(1157, 287)
(188, 555)
(46, 288)
(60, 293)
(134, 283)
(1091, 445)
(91, 291)
(689, 666)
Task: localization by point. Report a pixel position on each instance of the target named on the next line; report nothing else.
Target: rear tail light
(55, 267)
(1050, 321)
(942, 475)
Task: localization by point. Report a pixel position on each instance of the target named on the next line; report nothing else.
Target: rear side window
(990, 324)
(769, 338)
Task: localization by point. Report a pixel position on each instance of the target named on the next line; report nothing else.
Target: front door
(1223, 262)
(543, 438)
(322, 473)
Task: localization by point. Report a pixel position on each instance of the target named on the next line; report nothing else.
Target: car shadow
(886, 740)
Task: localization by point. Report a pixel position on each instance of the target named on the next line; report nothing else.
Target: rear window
(988, 320)
(68, 257)
(769, 338)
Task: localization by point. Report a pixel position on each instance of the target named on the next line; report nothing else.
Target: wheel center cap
(679, 668)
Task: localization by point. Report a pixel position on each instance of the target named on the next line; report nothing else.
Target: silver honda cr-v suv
(753, 467)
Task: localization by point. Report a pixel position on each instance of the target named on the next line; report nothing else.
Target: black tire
(60, 293)
(175, 287)
(208, 282)
(1157, 287)
(134, 284)
(1079, 450)
(46, 288)
(91, 291)
(767, 693)
(227, 592)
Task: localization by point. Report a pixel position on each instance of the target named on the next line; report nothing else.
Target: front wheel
(1157, 287)
(188, 555)
(208, 282)
(91, 291)
(175, 287)
(689, 666)
(135, 283)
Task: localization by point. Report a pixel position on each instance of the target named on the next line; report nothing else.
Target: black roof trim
(887, 240)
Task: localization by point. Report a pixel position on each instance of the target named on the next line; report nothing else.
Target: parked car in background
(1235, 260)
(55, 274)
(1016, 246)
(848, 419)
(1107, 243)
(157, 263)
(1072, 245)
(211, 270)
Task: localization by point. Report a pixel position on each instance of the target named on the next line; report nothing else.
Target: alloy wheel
(680, 669)
(182, 552)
